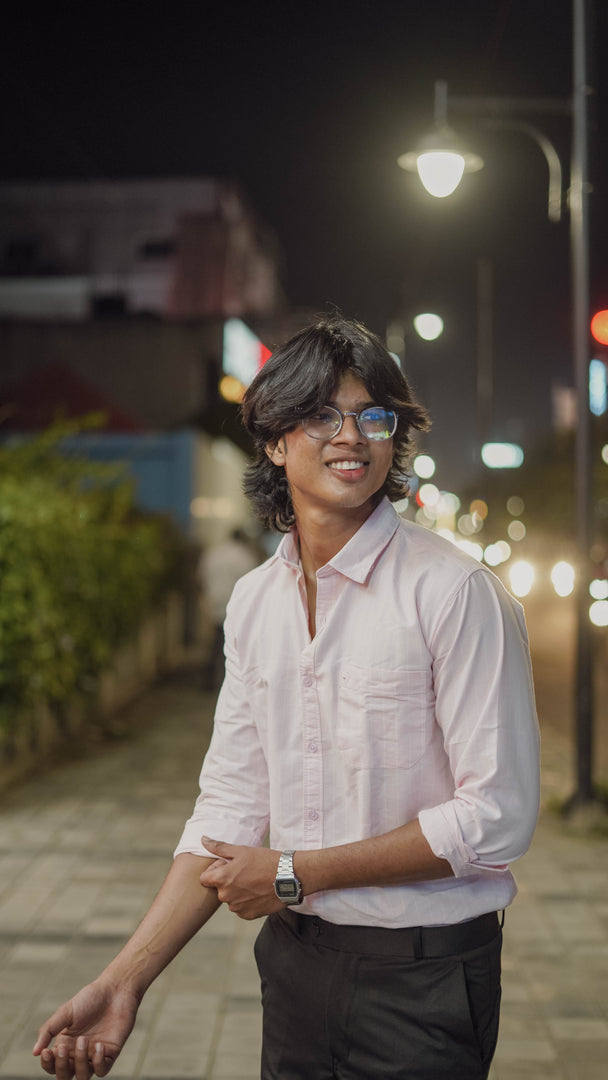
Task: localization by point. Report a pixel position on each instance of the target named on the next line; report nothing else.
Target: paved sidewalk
(84, 847)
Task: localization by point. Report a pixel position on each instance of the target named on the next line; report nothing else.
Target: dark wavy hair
(297, 380)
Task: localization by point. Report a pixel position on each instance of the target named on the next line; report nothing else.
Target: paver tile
(84, 848)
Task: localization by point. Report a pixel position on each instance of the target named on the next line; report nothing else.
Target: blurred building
(113, 298)
(179, 248)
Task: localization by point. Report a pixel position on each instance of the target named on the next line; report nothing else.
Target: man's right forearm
(179, 910)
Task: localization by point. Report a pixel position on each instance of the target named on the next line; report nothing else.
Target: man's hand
(90, 1030)
(243, 878)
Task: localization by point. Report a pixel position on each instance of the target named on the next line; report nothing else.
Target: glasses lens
(323, 424)
(377, 423)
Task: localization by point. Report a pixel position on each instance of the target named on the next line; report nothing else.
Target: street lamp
(431, 160)
(440, 159)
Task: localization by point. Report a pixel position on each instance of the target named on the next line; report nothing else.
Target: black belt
(413, 942)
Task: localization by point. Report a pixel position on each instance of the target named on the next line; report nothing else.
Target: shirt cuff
(228, 831)
(441, 829)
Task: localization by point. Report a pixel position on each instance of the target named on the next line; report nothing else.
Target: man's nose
(349, 432)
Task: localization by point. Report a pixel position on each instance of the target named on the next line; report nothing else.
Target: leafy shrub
(78, 567)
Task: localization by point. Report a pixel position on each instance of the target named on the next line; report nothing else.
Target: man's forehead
(351, 387)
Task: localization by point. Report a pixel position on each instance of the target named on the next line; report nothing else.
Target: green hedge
(78, 568)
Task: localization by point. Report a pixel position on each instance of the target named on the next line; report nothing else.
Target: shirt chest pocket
(384, 717)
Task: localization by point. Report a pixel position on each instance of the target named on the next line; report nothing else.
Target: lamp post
(442, 149)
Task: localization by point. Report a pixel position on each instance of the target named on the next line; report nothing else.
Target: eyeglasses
(373, 422)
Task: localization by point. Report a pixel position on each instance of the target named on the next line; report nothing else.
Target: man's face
(340, 474)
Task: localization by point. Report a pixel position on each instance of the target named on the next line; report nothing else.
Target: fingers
(60, 1060)
(47, 1060)
(213, 876)
(80, 1059)
(102, 1063)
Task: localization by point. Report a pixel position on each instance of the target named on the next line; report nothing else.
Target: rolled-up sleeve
(233, 801)
(486, 711)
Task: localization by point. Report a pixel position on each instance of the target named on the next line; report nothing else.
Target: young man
(377, 717)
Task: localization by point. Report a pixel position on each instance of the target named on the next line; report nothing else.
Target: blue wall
(161, 465)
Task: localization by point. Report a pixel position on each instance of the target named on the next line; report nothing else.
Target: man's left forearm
(244, 876)
(399, 857)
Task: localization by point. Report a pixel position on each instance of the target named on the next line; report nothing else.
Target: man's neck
(321, 536)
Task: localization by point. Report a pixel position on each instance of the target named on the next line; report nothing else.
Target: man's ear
(276, 452)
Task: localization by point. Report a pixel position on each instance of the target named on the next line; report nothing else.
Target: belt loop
(502, 921)
(418, 942)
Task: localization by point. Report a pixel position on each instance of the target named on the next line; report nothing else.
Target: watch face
(287, 889)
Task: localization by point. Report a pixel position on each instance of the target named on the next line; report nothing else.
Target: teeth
(346, 466)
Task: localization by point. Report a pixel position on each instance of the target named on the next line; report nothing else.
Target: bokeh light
(498, 553)
(231, 389)
(515, 506)
(469, 524)
(516, 530)
(599, 326)
(471, 548)
(598, 613)
(424, 466)
(428, 495)
(480, 508)
(521, 577)
(598, 589)
(502, 455)
(428, 326)
(423, 517)
(562, 576)
(598, 392)
(450, 502)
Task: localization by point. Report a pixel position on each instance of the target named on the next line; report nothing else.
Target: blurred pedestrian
(378, 717)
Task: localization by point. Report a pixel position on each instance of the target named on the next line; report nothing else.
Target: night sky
(308, 106)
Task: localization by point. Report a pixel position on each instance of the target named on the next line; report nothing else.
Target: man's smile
(346, 465)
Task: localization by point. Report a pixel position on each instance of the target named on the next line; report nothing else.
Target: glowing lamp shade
(440, 161)
(428, 326)
(599, 327)
(502, 455)
(440, 171)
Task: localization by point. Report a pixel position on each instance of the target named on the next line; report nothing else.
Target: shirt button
(313, 816)
(307, 680)
(312, 746)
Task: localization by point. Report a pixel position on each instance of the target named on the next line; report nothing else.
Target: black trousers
(361, 1003)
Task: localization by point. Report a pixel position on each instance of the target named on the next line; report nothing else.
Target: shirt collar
(357, 558)
(288, 550)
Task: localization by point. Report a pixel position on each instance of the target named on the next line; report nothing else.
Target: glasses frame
(356, 416)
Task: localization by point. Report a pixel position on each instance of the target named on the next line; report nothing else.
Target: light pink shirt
(414, 699)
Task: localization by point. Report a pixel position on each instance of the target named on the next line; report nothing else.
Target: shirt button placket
(313, 765)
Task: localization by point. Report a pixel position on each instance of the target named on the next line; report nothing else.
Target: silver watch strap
(285, 868)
